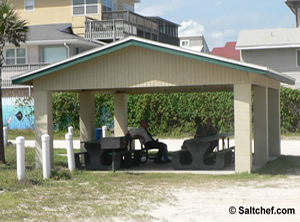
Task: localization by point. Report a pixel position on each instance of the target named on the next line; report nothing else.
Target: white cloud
(160, 9)
(218, 39)
(191, 27)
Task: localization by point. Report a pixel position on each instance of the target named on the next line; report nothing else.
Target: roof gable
(228, 51)
(165, 48)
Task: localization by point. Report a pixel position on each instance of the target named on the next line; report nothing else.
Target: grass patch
(283, 165)
(29, 134)
(290, 136)
(107, 196)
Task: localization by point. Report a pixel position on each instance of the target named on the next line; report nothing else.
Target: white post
(70, 151)
(70, 129)
(5, 135)
(20, 141)
(104, 131)
(46, 156)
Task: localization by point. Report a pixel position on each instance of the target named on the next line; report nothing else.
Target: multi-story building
(45, 44)
(277, 48)
(194, 42)
(40, 12)
(55, 25)
(59, 29)
(105, 20)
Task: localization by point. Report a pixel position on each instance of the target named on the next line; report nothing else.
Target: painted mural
(18, 112)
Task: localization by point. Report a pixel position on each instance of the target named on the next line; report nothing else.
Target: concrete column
(121, 114)
(87, 116)
(43, 115)
(274, 122)
(242, 127)
(261, 135)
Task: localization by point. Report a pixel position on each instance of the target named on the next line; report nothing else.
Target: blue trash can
(98, 133)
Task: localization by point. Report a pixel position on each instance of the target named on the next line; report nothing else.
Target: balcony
(119, 24)
(9, 71)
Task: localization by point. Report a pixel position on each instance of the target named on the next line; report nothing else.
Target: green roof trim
(156, 47)
(199, 58)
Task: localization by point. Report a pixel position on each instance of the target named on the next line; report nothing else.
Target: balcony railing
(119, 24)
(9, 71)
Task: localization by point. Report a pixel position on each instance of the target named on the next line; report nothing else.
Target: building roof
(228, 51)
(199, 35)
(292, 4)
(157, 18)
(27, 78)
(269, 38)
(54, 34)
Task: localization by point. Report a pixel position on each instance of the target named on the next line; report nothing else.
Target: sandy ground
(213, 203)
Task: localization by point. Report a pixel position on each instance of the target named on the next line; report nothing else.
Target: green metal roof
(134, 41)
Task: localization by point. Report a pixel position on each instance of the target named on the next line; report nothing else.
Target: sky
(220, 21)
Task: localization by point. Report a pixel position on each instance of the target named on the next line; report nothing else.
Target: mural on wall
(18, 112)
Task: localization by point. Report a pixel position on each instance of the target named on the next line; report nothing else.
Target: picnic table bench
(107, 153)
(191, 157)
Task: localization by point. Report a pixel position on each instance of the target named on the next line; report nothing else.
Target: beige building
(41, 12)
(135, 65)
(104, 20)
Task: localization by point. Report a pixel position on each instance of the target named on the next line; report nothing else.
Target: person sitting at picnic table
(146, 138)
(207, 130)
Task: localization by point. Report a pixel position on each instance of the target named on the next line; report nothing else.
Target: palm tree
(12, 30)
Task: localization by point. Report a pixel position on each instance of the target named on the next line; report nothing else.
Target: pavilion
(135, 65)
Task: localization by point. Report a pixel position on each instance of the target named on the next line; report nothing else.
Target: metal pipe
(68, 48)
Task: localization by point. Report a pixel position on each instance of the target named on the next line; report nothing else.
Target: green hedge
(290, 110)
(174, 113)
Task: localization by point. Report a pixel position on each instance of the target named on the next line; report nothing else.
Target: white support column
(261, 135)
(242, 127)
(87, 116)
(121, 114)
(274, 122)
(43, 115)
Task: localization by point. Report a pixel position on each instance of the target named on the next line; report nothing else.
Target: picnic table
(191, 156)
(105, 154)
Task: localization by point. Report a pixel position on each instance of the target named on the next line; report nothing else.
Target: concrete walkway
(288, 147)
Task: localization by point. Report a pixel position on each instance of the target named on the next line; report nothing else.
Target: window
(107, 5)
(29, 5)
(54, 54)
(128, 7)
(184, 43)
(85, 7)
(15, 56)
(298, 58)
(114, 5)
